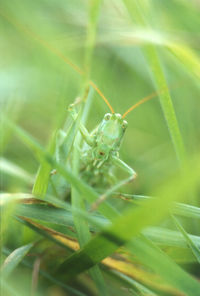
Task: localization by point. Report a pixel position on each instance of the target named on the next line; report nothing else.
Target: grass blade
(14, 259)
(188, 239)
(14, 170)
(42, 178)
(135, 11)
(155, 259)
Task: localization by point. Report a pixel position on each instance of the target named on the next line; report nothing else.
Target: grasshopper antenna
(57, 53)
(149, 97)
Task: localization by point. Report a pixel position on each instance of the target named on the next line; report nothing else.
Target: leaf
(14, 259)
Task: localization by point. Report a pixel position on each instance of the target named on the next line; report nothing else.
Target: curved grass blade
(14, 259)
(43, 212)
(195, 249)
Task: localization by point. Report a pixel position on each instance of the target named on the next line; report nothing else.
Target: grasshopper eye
(124, 124)
(107, 116)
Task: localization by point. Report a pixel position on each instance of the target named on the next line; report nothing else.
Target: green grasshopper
(101, 153)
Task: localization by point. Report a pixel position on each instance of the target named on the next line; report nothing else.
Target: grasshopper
(100, 152)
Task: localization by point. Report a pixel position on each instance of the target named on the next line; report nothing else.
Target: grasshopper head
(110, 134)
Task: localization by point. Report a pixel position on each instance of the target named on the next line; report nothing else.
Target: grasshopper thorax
(110, 134)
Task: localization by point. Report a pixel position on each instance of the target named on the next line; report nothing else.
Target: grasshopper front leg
(84, 132)
(132, 175)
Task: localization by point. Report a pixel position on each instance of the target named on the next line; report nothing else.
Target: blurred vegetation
(129, 49)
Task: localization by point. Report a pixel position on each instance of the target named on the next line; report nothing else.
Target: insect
(100, 153)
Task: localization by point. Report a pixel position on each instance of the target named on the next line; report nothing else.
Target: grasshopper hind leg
(132, 175)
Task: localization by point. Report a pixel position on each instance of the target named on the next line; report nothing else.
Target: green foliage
(143, 240)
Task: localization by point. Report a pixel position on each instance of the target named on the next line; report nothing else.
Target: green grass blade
(168, 237)
(182, 209)
(155, 259)
(14, 259)
(135, 10)
(186, 210)
(43, 212)
(189, 240)
(42, 178)
(14, 170)
(187, 57)
(81, 225)
(166, 101)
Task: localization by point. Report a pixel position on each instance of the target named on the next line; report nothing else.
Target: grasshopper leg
(132, 175)
(84, 132)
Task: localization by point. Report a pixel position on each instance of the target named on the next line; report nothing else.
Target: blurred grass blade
(42, 178)
(187, 57)
(182, 209)
(159, 262)
(186, 210)
(14, 259)
(193, 246)
(14, 170)
(168, 237)
(166, 101)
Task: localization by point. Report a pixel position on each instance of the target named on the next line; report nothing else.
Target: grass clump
(143, 239)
